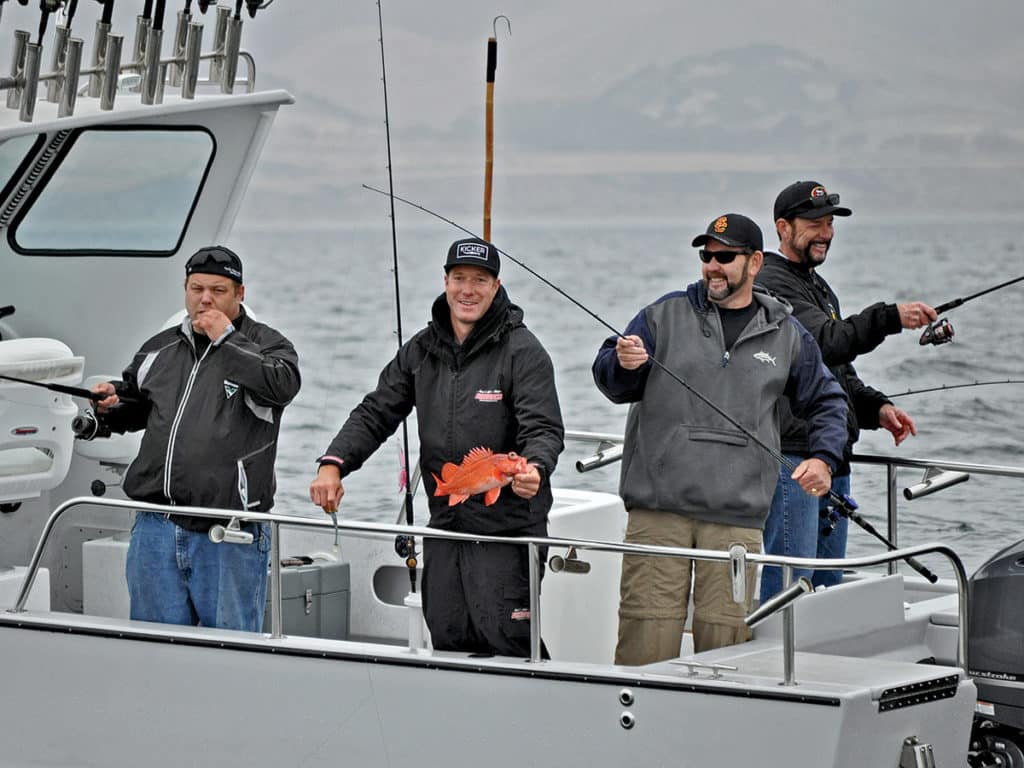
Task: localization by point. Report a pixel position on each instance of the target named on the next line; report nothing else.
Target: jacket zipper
(177, 422)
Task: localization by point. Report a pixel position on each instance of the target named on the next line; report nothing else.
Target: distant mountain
(768, 99)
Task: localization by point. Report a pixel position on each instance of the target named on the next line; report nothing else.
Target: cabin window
(113, 191)
(13, 153)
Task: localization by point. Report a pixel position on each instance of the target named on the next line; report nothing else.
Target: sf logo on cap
(472, 251)
(721, 224)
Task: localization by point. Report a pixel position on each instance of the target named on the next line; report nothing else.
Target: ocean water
(332, 291)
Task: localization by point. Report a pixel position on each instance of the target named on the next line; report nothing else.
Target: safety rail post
(276, 622)
(788, 633)
(534, 557)
(891, 501)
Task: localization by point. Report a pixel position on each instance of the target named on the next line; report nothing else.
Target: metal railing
(533, 544)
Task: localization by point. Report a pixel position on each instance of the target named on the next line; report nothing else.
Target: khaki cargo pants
(654, 592)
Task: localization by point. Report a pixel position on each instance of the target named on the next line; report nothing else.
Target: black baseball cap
(473, 252)
(733, 229)
(215, 260)
(807, 200)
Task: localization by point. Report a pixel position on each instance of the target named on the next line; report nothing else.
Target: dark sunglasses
(810, 204)
(722, 257)
(218, 257)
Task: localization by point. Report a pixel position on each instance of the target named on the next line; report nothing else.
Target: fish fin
(491, 496)
(477, 454)
(439, 490)
(457, 498)
(448, 471)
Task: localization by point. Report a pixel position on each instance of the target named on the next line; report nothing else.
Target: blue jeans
(795, 528)
(177, 576)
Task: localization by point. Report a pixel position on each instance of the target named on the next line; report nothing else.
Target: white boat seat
(35, 423)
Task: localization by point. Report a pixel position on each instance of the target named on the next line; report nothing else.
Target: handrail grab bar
(370, 529)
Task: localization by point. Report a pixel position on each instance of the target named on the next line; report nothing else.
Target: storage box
(314, 600)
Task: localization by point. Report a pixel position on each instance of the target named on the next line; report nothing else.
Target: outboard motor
(995, 648)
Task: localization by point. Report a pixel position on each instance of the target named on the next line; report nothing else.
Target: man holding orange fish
(490, 430)
(690, 478)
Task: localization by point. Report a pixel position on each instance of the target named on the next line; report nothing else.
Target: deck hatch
(918, 693)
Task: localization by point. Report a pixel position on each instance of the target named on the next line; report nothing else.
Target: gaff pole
(492, 66)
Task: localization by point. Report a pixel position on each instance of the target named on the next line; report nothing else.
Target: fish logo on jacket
(481, 471)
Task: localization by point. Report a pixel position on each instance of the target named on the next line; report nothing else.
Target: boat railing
(147, 71)
(938, 474)
(739, 559)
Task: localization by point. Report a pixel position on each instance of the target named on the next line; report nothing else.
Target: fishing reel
(831, 514)
(405, 547)
(939, 332)
(89, 426)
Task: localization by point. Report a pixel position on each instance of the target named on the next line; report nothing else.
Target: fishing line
(944, 387)
(405, 546)
(845, 504)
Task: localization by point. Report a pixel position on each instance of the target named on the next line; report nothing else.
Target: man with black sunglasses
(691, 478)
(800, 525)
(209, 393)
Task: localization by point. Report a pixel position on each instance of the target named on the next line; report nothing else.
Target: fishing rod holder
(570, 563)
(934, 480)
(607, 453)
(176, 69)
(232, 533)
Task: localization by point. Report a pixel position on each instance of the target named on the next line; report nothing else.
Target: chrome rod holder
(21, 38)
(111, 71)
(33, 54)
(232, 45)
(231, 533)
(220, 31)
(142, 28)
(606, 454)
(99, 52)
(738, 573)
(72, 69)
(60, 49)
(176, 68)
(151, 69)
(934, 479)
(783, 602)
(190, 69)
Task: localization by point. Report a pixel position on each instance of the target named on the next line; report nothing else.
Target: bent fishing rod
(846, 505)
(941, 331)
(405, 546)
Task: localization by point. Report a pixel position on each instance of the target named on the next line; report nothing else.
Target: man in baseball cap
(689, 478)
(804, 213)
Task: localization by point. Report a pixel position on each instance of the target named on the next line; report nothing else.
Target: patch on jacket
(489, 395)
(520, 614)
(230, 388)
(764, 357)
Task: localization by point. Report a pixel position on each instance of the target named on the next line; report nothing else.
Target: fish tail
(440, 489)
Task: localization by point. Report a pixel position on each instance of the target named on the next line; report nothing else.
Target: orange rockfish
(481, 471)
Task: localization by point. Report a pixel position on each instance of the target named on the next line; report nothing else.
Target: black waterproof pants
(476, 597)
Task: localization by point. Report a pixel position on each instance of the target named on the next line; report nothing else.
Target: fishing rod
(941, 331)
(845, 503)
(944, 387)
(66, 390)
(405, 546)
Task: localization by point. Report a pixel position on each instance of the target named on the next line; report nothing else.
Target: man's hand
(814, 477)
(326, 490)
(896, 421)
(916, 314)
(211, 322)
(111, 399)
(630, 351)
(526, 485)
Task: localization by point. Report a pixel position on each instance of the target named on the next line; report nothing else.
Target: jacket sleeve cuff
(893, 324)
(335, 460)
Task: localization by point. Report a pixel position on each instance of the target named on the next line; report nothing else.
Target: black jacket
(211, 420)
(496, 390)
(841, 339)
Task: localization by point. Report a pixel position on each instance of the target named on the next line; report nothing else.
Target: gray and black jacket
(840, 339)
(496, 390)
(211, 419)
(680, 455)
